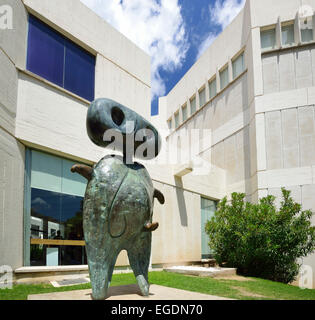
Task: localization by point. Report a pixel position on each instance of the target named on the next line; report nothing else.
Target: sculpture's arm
(159, 195)
(83, 170)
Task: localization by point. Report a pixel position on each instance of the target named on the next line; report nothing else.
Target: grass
(252, 289)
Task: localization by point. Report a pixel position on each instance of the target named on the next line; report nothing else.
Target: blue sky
(173, 32)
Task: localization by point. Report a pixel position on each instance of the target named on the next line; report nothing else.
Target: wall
(53, 120)
(111, 82)
(287, 136)
(178, 239)
(11, 199)
(226, 119)
(289, 69)
(264, 13)
(12, 53)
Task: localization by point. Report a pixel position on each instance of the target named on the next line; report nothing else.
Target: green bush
(258, 239)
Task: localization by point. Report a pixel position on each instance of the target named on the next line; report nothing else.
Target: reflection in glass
(67, 255)
(56, 216)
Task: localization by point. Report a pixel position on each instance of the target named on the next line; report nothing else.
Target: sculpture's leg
(101, 275)
(139, 259)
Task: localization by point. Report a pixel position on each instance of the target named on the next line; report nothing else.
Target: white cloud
(223, 12)
(40, 202)
(156, 26)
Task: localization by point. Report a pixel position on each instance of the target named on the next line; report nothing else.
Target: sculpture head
(110, 124)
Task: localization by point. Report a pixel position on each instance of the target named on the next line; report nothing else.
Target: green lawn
(252, 289)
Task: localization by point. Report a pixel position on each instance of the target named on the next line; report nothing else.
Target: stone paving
(129, 292)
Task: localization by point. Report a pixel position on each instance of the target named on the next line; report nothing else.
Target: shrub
(260, 240)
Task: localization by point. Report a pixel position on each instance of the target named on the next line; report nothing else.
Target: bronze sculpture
(118, 203)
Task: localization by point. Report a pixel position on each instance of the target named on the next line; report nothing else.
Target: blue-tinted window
(79, 71)
(59, 60)
(45, 52)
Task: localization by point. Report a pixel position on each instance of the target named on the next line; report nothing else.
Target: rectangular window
(268, 39)
(59, 60)
(184, 112)
(307, 30)
(287, 35)
(193, 106)
(208, 208)
(169, 123)
(56, 212)
(177, 120)
(224, 78)
(238, 66)
(79, 71)
(202, 97)
(213, 88)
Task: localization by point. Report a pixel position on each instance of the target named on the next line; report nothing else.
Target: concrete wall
(53, 120)
(227, 119)
(11, 199)
(12, 53)
(178, 240)
(111, 82)
(289, 70)
(264, 13)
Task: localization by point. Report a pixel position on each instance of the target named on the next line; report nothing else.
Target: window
(193, 105)
(287, 35)
(213, 88)
(202, 97)
(224, 78)
(208, 208)
(55, 212)
(169, 123)
(307, 30)
(177, 120)
(268, 39)
(184, 112)
(59, 60)
(238, 66)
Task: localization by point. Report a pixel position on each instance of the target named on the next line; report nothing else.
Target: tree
(260, 240)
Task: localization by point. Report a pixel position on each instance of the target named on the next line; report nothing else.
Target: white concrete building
(253, 90)
(252, 93)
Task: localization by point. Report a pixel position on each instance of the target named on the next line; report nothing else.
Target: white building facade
(251, 95)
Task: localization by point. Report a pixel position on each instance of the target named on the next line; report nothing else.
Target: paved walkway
(129, 292)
